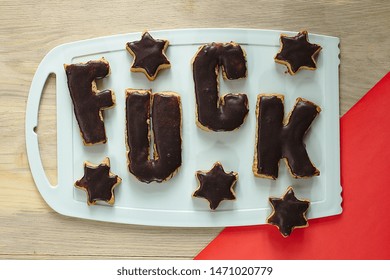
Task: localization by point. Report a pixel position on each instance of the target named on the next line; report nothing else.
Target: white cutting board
(171, 203)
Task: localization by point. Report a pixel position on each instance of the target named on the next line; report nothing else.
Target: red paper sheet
(362, 231)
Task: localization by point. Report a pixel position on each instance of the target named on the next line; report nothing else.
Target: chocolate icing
(297, 53)
(87, 100)
(288, 212)
(98, 182)
(227, 112)
(216, 185)
(166, 131)
(148, 55)
(274, 140)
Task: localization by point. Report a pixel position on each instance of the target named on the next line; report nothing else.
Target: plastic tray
(171, 203)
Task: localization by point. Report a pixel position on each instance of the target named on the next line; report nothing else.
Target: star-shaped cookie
(98, 182)
(149, 55)
(297, 53)
(216, 185)
(288, 212)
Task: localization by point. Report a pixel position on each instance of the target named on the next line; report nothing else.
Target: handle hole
(47, 129)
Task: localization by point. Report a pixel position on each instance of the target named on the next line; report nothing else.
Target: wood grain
(29, 29)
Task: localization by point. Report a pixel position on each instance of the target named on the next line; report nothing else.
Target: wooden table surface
(29, 228)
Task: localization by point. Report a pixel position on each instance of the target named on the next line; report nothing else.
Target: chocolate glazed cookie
(88, 102)
(276, 140)
(227, 112)
(163, 112)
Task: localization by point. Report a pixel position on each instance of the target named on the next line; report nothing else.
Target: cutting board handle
(45, 68)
